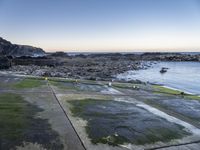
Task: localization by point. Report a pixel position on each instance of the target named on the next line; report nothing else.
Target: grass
(28, 83)
(164, 90)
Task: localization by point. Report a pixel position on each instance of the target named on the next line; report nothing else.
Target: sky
(102, 25)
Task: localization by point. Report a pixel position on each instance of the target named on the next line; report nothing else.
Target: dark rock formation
(5, 63)
(163, 70)
(59, 54)
(169, 57)
(38, 61)
(9, 49)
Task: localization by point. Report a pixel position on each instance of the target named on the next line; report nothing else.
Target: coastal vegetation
(165, 90)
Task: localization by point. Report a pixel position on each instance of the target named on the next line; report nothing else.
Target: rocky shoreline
(91, 70)
(28, 60)
(91, 67)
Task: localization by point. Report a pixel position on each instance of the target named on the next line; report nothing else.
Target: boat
(164, 70)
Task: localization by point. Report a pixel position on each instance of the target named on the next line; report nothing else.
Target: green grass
(29, 83)
(164, 90)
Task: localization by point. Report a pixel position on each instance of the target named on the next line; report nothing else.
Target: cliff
(9, 49)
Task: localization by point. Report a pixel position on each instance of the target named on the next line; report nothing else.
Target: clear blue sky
(100, 25)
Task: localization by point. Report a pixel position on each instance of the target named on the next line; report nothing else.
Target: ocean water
(184, 76)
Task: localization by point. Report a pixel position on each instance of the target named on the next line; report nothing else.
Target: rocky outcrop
(76, 67)
(9, 49)
(169, 57)
(5, 62)
(38, 61)
(59, 54)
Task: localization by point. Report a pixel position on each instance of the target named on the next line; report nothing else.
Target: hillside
(9, 49)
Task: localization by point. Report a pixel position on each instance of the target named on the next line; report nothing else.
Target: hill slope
(9, 49)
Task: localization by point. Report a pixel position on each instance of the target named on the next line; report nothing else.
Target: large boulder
(9, 49)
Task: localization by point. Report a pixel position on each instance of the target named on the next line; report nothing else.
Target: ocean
(184, 76)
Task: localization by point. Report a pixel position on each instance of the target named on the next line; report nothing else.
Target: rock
(170, 57)
(163, 70)
(5, 63)
(59, 54)
(9, 49)
(39, 61)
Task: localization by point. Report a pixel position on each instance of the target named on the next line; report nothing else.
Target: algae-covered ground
(54, 113)
(165, 90)
(18, 124)
(29, 83)
(31, 118)
(118, 120)
(114, 123)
